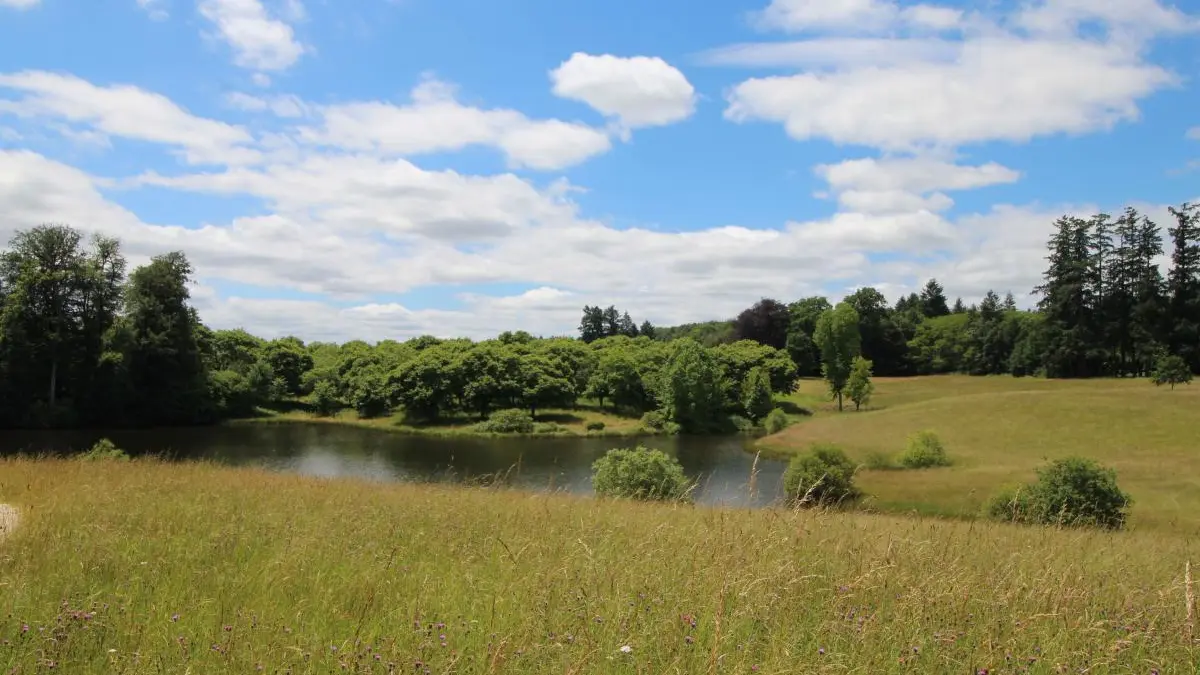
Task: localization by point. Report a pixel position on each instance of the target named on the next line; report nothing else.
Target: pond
(720, 464)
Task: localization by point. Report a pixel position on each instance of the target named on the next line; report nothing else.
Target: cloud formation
(638, 91)
(259, 41)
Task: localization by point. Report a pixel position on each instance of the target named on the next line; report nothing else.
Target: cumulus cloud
(259, 41)
(19, 4)
(154, 9)
(638, 91)
(435, 121)
(1014, 77)
(128, 112)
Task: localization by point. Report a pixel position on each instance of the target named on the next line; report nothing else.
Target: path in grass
(999, 430)
(8, 520)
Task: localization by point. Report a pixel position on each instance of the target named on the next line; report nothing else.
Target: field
(145, 567)
(999, 429)
(552, 422)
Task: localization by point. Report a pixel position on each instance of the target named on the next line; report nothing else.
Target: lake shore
(554, 424)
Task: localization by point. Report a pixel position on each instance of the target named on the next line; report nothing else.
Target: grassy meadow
(145, 567)
(997, 430)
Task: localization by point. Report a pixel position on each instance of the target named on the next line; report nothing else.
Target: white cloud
(999, 88)
(261, 79)
(1194, 133)
(280, 106)
(128, 112)
(799, 15)
(919, 175)
(933, 17)
(834, 51)
(19, 4)
(154, 9)
(638, 91)
(259, 41)
(436, 122)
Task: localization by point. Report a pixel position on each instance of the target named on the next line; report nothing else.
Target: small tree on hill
(756, 395)
(1172, 370)
(859, 387)
(838, 339)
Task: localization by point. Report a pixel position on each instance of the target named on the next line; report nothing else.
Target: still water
(720, 464)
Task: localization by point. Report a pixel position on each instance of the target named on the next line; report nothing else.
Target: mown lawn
(999, 429)
(146, 567)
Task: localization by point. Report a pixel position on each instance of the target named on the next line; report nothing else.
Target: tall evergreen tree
(933, 299)
(591, 326)
(1066, 300)
(1183, 284)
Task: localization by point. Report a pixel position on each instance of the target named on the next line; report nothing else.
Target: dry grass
(997, 430)
(152, 568)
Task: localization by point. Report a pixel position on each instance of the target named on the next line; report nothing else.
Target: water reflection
(721, 464)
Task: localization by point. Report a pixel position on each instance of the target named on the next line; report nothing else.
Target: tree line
(1105, 309)
(85, 342)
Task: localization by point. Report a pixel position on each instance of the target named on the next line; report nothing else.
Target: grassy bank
(149, 568)
(999, 429)
(547, 424)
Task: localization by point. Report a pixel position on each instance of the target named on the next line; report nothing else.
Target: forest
(85, 342)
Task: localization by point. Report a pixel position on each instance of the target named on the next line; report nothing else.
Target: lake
(721, 464)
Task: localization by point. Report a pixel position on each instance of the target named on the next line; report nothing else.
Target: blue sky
(383, 168)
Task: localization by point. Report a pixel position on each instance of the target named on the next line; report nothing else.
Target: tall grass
(145, 567)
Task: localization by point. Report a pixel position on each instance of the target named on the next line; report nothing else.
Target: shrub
(776, 421)
(1012, 504)
(595, 425)
(640, 473)
(742, 424)
(654, 420)
(924, 450)
(1172, 370)
(510, 421)
(325, 399)
(1073, 492)
(1077, 491)
(105, 449)
(823, 476)
(548, 428)
(878, 461)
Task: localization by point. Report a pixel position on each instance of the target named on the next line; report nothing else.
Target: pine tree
(591, 327)
(1100, 249)
(1066, 300)
(933, 299)
(1183, 284)
(959, 307)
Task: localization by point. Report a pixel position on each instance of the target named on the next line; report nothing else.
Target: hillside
(999, 429)
(146, 568)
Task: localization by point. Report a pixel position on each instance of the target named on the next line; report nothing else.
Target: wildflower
(24, 628)
(174, 617)
(754, 667)
(626, 649)
(689, 639)
(821, 651)
(228, 628)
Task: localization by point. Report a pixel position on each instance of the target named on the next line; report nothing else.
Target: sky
(372, 169)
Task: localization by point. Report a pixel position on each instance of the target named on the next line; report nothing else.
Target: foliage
(824, 476)
(104, 450)
(595, 425)
(654, 420)
(691, 387)
(640, 473)
(1171, 370)
(776, 421)
(1013, 504)
(325, 400)
(837, 335)
(756, 395)
(859, 387)
(766, 322)
(1071, 492)
(924, 450)
(510, 421)
(743, 425)
(880, 461)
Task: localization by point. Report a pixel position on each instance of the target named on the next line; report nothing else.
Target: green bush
(640, 473)
(776, 421)
(1072, 492)
(741, 424)
(824, 476)
(654, 420)
(510, 421)
(924, 450)
(879, 461)
(104, 449)
(595, 425)
(325, 400)
(548, 428)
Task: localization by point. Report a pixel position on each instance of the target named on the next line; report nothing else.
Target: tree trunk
(53, 381)
(839, 401)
